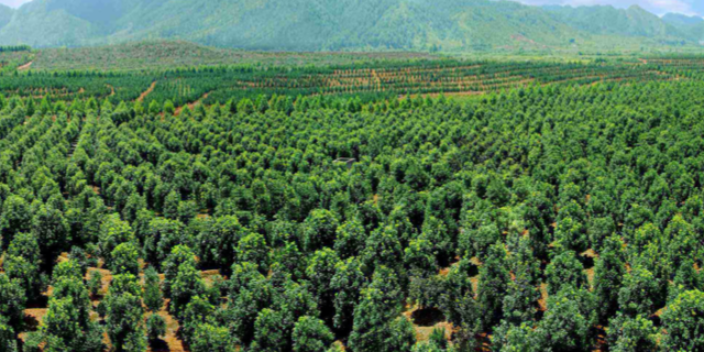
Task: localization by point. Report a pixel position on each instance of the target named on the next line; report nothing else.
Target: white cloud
(688, 7)
(14, 3)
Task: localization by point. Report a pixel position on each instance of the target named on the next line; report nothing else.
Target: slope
(330, 25)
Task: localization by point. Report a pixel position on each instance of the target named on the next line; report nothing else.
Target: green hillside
(693, 26)
(338, 25)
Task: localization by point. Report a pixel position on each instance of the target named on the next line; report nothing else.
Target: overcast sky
(690, 7)
(13, 3)
(660, 7)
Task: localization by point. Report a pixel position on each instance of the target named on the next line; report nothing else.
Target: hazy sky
(690, 7)
(13, 3)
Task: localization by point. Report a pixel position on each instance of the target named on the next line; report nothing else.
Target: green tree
(565, 270)
(12, 302)
(125, 322)
(153, 298)
(684, 320)
(156, 327)
(125, 259)
(626, 334)
(212, 338)
(311, 335)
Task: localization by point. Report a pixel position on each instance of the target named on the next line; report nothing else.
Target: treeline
(213, 84)
(550, 218)
(14, 48)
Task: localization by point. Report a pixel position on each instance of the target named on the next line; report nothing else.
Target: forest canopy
(548, 217)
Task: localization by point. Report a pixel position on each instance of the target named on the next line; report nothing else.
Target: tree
(639, 292)
(626, 334)
(156, 327)
(565, 270)
(376, 327)
(384, 249)
(320, 230)
(186, 285)
(169, 108)
(684, 320)
(163, 237)
(8, 342)
(113, 232)
(12, 302)
(23, 262)
(16, 217)
(515, 338)
(154, 108)
(212, 338)
(564, 326)
(311, 335)
(608, 277)
(271, 332)
(218, 241)
(347, 283)
(321, 270)
(180, 254)
(198, 310)
(350, 239)
(125, 259)
(493, 284)
(252, 249)
(51, 229)
(153, 298)
(125, 323)
(95, 283)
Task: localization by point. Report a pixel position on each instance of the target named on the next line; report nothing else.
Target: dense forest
(550, 217)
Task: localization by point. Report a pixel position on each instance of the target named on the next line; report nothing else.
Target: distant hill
(692, 26)
(332, 25)
(5, 15)
(606, 20)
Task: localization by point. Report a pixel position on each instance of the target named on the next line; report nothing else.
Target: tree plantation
(547, 217)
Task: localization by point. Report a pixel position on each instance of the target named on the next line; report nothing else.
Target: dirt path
(191, 105)
(147, 92)
(25, 66)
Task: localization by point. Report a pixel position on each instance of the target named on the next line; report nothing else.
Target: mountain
(607, 20)
(331, 25)
(692, 25)
(5, 15)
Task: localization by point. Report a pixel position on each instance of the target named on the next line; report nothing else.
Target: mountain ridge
(333, 25)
